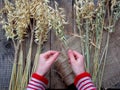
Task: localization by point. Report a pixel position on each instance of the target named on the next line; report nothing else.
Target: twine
(63, 67)
(65, 70)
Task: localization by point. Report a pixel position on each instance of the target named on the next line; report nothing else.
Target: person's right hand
(77, 62)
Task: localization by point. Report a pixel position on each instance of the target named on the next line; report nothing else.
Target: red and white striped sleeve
(37, 82)
(84, 82)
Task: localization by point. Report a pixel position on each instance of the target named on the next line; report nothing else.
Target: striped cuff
(80, 76)
(40, 78)
(84, 82)
(37, 82)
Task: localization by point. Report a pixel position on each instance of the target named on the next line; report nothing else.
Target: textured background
(6, 60)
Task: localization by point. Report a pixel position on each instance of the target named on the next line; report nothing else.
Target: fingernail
(57, 52)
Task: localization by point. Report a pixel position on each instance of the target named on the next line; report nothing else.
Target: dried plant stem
(15, 46)
(107, 44)
(19, 69)
(105, 59)
(99, 66)
(14, 69)
(99, 33)
(37, 56)
(96, 75)
(26, 72)
(87, 46)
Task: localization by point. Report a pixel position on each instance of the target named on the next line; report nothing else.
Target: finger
(54, 57)
(69, 61)
(71, 56)
(48, 53)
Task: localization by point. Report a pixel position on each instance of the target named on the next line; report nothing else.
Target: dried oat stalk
(29, 19)
(90, 20)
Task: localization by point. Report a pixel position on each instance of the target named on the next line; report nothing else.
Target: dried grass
(32, 18)
(91, 21)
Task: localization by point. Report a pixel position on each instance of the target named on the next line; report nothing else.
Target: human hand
(77, 62)
(45, 62)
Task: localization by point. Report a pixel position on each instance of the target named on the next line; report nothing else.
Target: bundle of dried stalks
(91, 20)
(32, 18)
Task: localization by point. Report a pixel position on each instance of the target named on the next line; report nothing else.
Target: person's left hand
(45, 61)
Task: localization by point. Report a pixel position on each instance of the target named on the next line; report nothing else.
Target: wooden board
(112, 69)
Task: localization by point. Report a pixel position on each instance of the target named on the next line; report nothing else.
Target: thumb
(71, 56)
